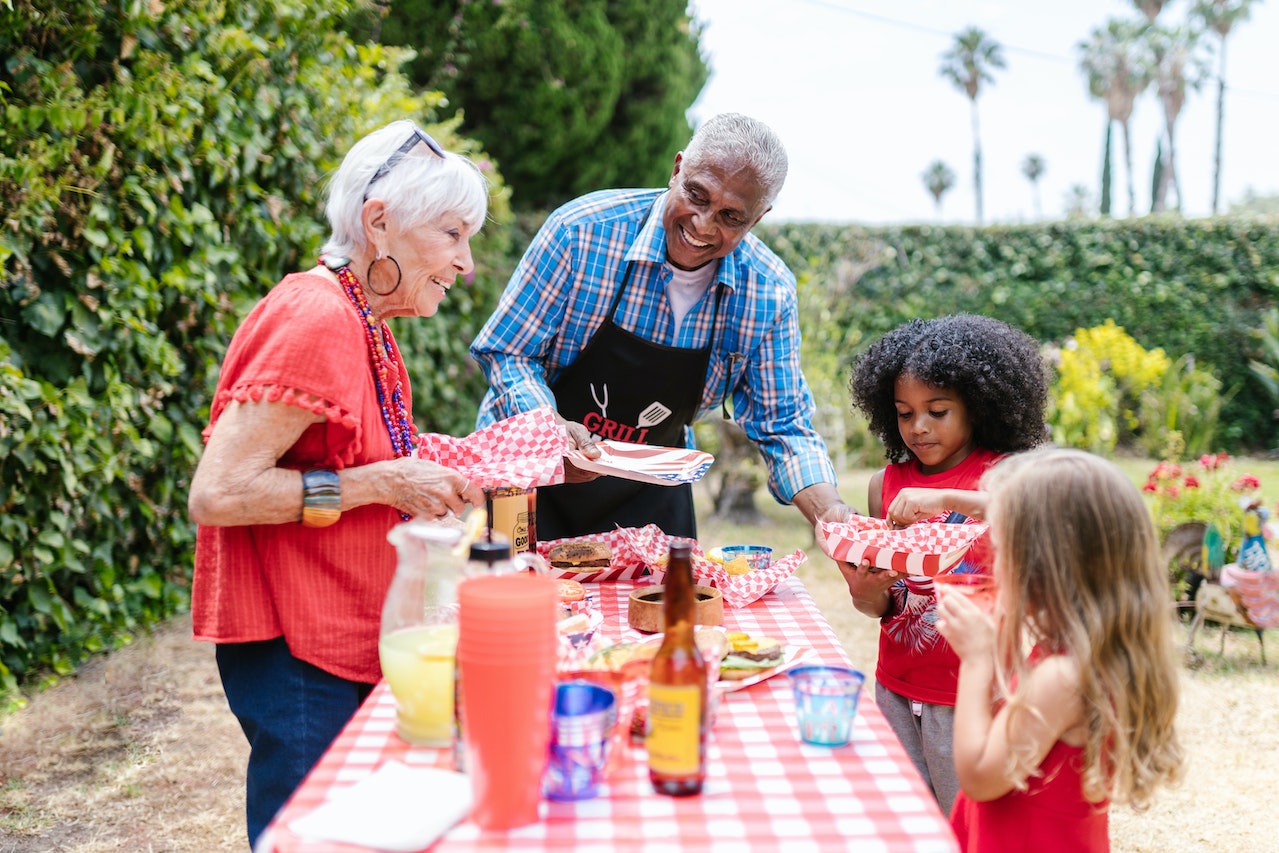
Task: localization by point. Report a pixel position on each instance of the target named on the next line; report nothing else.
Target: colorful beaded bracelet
(321, 498)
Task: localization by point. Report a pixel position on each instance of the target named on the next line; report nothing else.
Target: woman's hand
(969, 629)
(427, 489)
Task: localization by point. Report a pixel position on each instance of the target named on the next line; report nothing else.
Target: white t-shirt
(687, 286)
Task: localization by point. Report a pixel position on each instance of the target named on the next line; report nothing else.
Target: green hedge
(161, 166)
(1192, 287)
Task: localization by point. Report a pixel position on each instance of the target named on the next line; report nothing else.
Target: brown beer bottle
(676, 728)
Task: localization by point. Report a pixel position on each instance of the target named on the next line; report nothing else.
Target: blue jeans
(290, 711)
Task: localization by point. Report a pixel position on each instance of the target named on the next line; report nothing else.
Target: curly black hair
(997, 371)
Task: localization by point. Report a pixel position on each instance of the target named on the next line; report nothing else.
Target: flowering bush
(1209, 491)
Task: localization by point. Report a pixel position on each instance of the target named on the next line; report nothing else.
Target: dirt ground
(138, 752)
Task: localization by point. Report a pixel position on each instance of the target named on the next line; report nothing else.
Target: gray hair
(422, 187)
(739, 139)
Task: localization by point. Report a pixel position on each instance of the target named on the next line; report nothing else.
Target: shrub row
(1195, 288)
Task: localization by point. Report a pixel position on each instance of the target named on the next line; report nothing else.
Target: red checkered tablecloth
(764, 790)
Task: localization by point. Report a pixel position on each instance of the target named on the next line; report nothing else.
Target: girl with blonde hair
(1068, 704)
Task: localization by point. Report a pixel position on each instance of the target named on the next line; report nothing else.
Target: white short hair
(421, 187)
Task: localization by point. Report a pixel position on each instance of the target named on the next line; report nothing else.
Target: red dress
(1051, 816)
(915, 661)
(320, 588)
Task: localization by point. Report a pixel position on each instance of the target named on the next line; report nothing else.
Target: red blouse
(320, 588)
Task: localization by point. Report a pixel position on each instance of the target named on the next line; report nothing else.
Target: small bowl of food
(645, 608)
(743, 559)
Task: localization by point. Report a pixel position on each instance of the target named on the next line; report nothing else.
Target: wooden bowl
(644, 611)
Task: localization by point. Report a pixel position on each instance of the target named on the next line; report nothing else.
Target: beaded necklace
(399, 424)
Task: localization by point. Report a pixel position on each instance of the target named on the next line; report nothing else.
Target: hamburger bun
(580, 555)
(748, 656)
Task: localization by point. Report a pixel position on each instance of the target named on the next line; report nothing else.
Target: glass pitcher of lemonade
(418, 641)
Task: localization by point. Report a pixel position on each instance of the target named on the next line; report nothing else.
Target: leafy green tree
(161, 166)
(968, 64)
(569, 96)
(1118, 68)
(1220, 16)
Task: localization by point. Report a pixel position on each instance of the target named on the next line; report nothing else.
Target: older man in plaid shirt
(635, 312)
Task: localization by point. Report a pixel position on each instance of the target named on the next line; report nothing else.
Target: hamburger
(747, 656)
(580, 555)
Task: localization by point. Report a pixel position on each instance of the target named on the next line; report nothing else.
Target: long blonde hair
(1080, 575)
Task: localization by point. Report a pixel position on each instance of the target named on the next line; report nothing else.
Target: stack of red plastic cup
(506, 654)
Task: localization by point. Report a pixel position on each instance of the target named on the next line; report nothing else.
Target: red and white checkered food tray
(646, 463)
(924, 548)
(765, 790)
(644, 550)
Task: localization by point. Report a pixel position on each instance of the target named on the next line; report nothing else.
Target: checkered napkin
(924, 548)
(525, 450)
(738, 590)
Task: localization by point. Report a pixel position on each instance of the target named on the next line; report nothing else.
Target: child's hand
(911, 505)
(868, 586)
(969, 630)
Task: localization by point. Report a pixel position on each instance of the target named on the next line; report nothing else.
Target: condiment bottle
(513, 511)
(491, 557)
(676, 728)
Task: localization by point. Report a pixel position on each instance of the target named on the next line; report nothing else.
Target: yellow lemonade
(418, 665)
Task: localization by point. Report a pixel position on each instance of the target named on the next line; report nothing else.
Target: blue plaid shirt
(560, 294)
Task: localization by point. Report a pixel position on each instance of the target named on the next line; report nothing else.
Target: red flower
(1246, 483)
(1192, 482)
(1150, 487)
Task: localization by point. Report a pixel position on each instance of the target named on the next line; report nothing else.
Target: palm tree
(1150, 8)
(1220, 16)
(938, 178)
(1178, 67)
(968, 64)
(1117, 64)
(1033, 168)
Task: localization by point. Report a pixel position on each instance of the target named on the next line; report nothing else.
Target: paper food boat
(925, 548)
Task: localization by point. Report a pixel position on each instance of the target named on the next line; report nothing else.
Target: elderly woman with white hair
(309, 457)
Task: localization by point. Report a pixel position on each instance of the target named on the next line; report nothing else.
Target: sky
(853, 90)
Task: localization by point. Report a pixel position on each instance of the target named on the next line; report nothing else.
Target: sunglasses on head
(398, 154)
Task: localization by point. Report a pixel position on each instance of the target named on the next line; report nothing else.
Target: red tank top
(1051, 816)
(914, 660)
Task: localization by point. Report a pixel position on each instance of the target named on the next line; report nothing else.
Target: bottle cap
(489, 551)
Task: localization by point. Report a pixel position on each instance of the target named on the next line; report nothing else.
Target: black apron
(626, 388)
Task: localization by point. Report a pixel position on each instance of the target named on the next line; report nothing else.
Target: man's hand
(582, 441)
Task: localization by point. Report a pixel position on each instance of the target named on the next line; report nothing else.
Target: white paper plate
(660, 466)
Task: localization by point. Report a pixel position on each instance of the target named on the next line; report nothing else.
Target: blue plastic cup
(825, 703)
(581, 728)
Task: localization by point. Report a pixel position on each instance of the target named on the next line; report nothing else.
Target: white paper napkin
(396, 808)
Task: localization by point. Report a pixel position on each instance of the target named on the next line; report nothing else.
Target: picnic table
(764, 790)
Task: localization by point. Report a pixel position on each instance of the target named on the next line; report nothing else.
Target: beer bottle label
(674, 729)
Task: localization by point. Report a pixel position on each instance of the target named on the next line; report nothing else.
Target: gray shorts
(927, 732)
